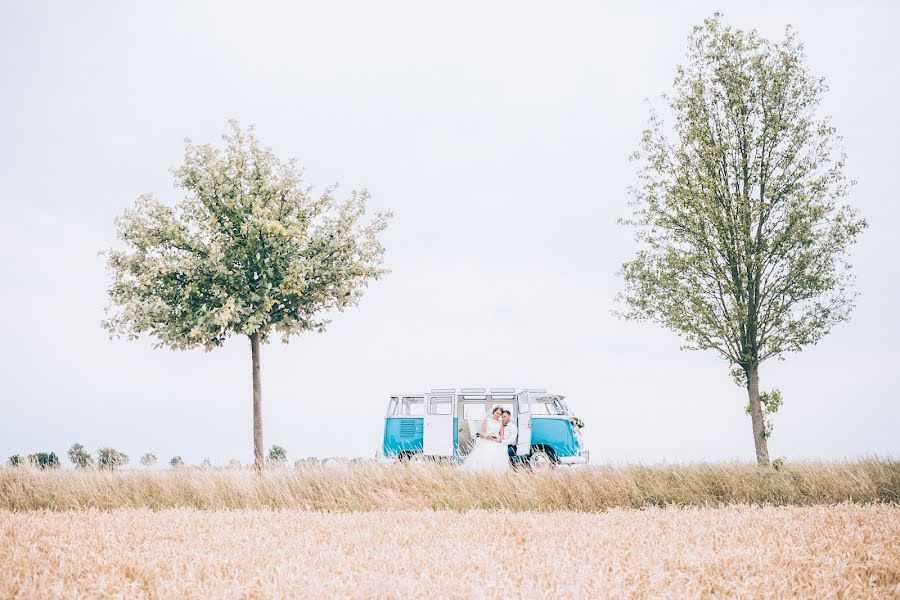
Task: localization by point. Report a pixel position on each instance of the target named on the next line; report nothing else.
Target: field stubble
(847, 550)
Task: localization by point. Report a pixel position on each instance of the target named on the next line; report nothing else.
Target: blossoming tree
(249, 251)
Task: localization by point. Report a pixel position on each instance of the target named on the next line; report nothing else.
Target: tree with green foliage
(111, 459)
(743, 236)
(40, 460)
(80, 457)
(277, 455)
(148, 460)
(176, 462)
(249, 251)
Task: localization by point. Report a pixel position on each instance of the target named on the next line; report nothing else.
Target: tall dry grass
(842, 551)
(444, 487)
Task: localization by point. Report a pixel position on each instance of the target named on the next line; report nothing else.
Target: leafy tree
(743, 236)
(45, 460)
(277, 455)
(249, 251)
(41, 460)
(176, 462)
(111, 459)
(80, 457)
(148, 460)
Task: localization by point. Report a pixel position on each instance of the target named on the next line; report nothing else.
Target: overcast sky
(498, 133)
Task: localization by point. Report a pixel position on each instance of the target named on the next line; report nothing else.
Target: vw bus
(444, 423)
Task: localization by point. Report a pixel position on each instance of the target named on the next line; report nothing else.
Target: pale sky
(498, 133)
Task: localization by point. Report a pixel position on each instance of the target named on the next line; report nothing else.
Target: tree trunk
(756, 416)
(258, 460)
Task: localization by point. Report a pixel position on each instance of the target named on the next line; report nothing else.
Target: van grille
(407, 428)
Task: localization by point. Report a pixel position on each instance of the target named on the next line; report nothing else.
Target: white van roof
(473, 391)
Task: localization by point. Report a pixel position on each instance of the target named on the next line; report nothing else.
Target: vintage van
(444, 422)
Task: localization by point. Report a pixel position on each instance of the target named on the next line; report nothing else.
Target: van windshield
(549, 406)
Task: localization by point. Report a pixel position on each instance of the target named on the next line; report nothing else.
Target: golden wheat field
(392, 531)
(846, 550)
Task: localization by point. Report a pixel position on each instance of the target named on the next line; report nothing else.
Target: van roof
(474, 391)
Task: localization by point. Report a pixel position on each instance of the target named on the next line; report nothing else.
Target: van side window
(440, 405)
(413, 407)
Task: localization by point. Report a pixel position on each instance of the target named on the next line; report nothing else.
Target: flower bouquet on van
(576, 422)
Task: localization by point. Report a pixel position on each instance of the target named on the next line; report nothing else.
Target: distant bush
(277, 455)
(45, 460)
(148, 460)
(41, 460)
(80, 457)
(111, 459)
(176, 462)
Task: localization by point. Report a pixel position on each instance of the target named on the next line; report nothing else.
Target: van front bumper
(581, 458)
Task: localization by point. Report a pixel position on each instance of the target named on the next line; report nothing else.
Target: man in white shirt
(510, 434)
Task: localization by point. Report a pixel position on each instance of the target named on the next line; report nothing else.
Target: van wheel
(540, 460)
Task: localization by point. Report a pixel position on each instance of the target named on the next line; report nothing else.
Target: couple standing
(496, 445)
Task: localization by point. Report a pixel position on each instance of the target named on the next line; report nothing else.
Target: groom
(510, 434)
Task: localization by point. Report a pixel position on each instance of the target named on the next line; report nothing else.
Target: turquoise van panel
(555, 433)
(402, 434)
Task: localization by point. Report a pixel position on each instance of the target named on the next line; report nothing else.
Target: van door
(523, 406)
(439, 429)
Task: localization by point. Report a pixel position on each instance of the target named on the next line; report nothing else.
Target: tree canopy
(250, 250)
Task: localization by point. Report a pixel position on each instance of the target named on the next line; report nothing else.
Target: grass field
(385, 531)
(444, 487)
(847, 550)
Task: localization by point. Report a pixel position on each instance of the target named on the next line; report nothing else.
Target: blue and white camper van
(443, 423)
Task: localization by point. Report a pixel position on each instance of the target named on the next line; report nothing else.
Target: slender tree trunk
(756, 416)
(257, 405)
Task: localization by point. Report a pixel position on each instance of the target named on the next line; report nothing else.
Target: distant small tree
(277, 455)
(176, 462)
(249, 251)
(111, 459)
(40, 460)
(234, 464)
(148, 460)
(45, 460)
(80, 457)
(206, 464)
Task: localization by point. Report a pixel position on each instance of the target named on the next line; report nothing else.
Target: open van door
(438, 434)
(523, 408)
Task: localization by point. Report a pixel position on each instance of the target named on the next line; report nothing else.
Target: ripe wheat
(846, 550)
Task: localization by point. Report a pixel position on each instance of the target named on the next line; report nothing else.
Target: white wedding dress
(488, 455)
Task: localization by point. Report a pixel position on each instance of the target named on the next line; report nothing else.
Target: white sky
(498, 132)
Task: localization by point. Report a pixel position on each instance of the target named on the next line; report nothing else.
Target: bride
(489, 453)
